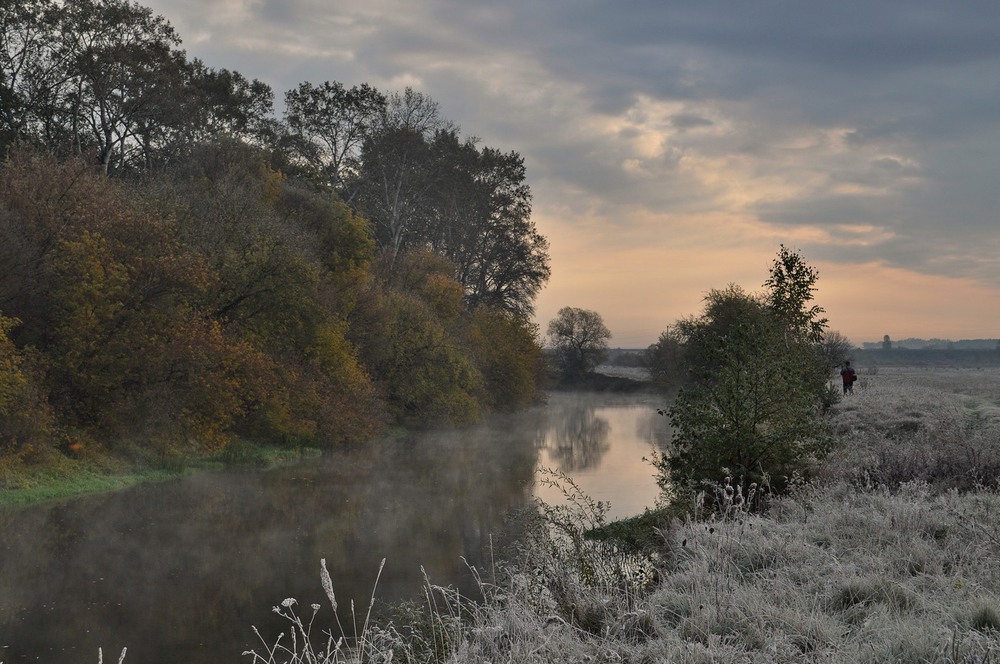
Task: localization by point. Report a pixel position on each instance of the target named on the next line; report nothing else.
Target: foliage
(750, 410)
(508, 354)
(790, 289)
(109, 302)
(25, 419)
(579, 341)
(327, 125)
(421, 185)
(665, 360)
(481, 220)
(105, 78)
(419, 355)
(237, 275)
(756, 386)
(289, 263)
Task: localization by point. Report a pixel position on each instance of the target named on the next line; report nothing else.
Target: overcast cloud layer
(671, 146)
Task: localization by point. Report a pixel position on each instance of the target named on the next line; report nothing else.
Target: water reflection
(180, 571)
(601, 441)
(580, 437)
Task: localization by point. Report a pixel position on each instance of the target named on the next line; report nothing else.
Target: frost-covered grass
(940, 426)
(834, 574)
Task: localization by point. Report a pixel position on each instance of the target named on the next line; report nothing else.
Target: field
(892, 554)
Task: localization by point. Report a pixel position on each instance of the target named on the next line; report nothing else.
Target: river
(182, 571)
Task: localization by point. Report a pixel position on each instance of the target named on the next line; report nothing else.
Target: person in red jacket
(848, 375)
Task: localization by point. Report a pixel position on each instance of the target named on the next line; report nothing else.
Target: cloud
(865, 132)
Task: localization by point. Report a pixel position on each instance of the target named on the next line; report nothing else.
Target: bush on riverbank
(879, 559)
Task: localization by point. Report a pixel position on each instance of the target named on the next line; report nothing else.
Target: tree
(288, 263)
(749, 410)
(836, 348)
(790, 290)
(25, 419)
(410, 331)
(106, 78)
(329, 123)
(112, 303)
(27, 68)
(579, 341)
(123, 67)
(756, 384)
(394, 185)
(665, 360)
(507, 351)
(502, 259)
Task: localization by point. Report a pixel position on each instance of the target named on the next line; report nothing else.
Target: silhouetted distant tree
(579, 340)
(835, 348)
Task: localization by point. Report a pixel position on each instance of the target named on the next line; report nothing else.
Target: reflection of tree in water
(580, 438)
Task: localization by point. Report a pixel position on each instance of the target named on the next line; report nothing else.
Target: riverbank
(888, 556)
(61, 477)
(64, 474)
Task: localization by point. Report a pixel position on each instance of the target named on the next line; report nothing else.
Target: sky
(672, 146)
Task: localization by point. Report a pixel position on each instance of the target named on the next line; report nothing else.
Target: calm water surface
(181, 571)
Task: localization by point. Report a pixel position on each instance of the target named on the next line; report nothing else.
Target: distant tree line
(182, 269)
(931, 344)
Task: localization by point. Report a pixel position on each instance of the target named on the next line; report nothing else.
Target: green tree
(122, 67)
(665, 360)
(113, 308)
(27, 69)
(791, 285)
(748, 410)
(288, 263)
(394, 186)
(106, 78)
(483, 224)
(579, 341)
(222, 102)
(751, 407)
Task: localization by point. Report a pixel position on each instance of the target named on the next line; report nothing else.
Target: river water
(182, 571)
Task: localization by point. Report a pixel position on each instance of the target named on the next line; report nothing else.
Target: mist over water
(181, 571)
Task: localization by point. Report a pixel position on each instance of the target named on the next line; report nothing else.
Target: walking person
(848, 375)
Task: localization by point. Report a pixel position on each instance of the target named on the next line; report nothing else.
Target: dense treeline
(181, 270)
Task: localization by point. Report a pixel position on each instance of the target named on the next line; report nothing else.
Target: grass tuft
(985, 618)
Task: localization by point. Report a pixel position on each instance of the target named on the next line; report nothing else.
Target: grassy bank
(57, 476)
(47, 485)
(890, 555)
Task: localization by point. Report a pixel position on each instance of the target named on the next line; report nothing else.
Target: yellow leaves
(24, 415)
(508, 354)
(12, 378)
